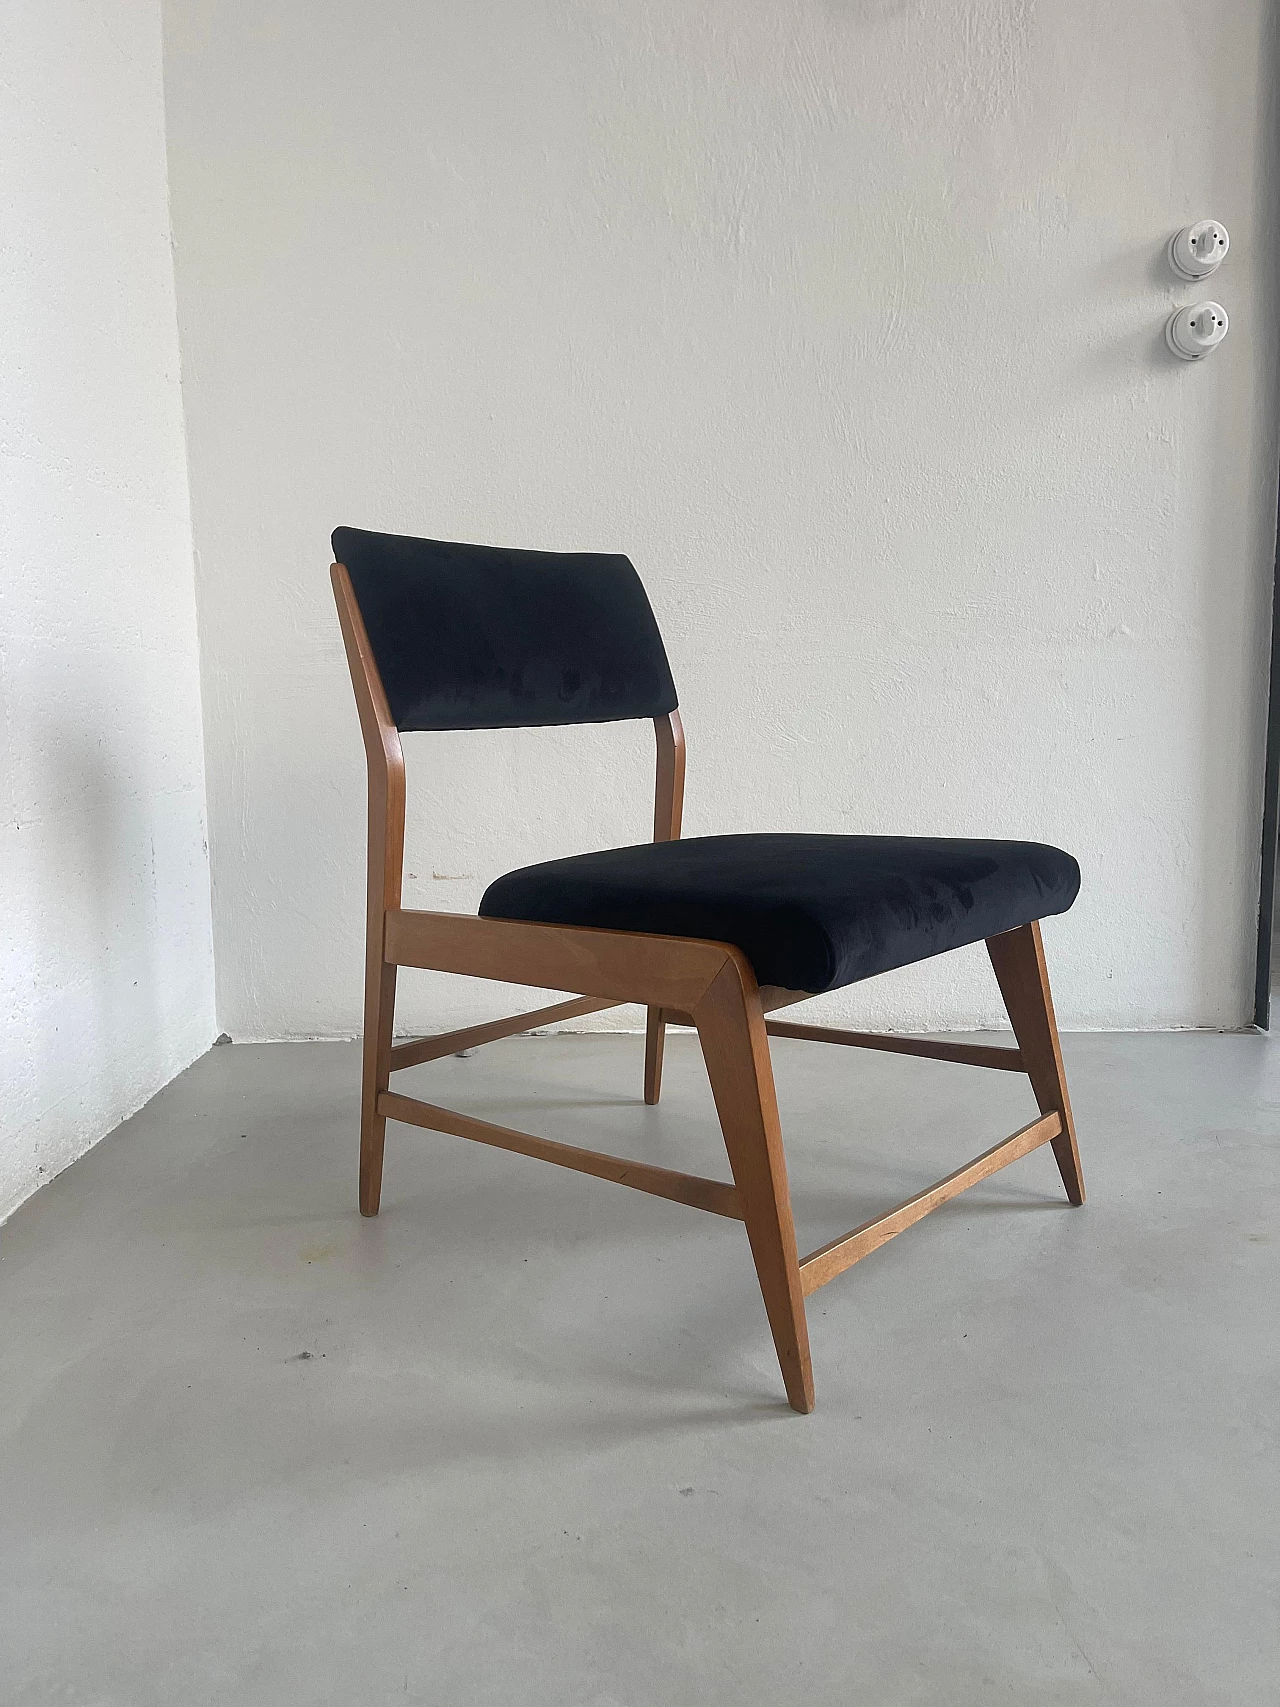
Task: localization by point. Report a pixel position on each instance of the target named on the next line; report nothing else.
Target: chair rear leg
(1017, 958)
(655, 1032)
(379, 1017)
(731, 1029)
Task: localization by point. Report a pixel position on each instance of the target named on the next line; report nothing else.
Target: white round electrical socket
(1198, 250)
(1192, 332)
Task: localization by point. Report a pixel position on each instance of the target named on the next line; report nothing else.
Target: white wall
(105, 940)
(843, 318)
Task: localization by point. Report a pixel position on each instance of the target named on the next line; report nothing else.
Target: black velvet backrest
(479, 637)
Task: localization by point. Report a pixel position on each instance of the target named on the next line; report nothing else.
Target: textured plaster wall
(106, 972)
(843, 318)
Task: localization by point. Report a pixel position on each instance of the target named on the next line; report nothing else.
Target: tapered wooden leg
(379, 1017)
(655, 1032)
(731, 1028)
(1017, 958)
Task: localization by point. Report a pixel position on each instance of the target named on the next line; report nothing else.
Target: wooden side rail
(823, 1265)
(971, 1054)
(699, 1193)
(616, 966)
(472, 1036)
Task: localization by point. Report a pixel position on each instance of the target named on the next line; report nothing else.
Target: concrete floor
(522, 1440)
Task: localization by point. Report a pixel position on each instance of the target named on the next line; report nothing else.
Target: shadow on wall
(88, 992)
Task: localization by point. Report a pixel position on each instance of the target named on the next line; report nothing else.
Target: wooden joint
(709, 1194)
(823, 1265)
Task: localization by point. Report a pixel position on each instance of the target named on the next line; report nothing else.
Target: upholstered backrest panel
(478, 637)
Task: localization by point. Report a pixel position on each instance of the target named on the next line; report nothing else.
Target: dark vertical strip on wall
(1270, 811)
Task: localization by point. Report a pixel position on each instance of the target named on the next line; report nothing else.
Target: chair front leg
(731, 1029)
(379, 1017)
(386, 857)
(1017, 958)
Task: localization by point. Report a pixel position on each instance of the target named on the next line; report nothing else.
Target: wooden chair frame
(709, 985)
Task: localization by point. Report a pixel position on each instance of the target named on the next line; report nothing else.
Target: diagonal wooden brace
(710, 1194)
(823, 1265)
(420, 1049)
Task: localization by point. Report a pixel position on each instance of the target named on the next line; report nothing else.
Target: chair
(715, 931)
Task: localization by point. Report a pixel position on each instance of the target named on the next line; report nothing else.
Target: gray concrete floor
(522, 1440)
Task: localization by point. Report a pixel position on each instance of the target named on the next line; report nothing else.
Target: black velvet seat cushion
(809, 912)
